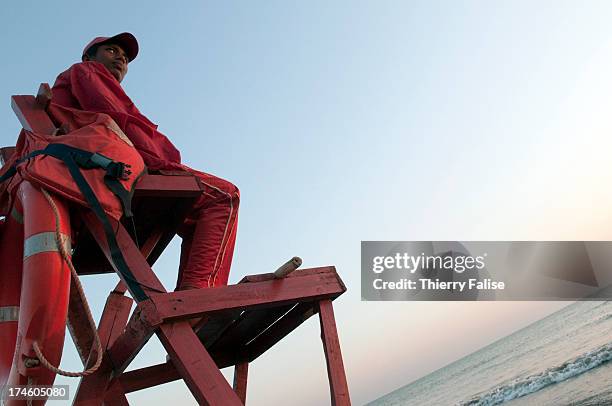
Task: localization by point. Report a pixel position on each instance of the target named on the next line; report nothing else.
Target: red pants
(209, 234)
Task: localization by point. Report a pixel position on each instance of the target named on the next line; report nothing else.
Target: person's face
(114, 58)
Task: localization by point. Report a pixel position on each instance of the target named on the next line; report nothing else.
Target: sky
(363, 120)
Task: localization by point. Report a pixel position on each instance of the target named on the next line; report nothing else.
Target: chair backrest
(36, 118)
(31, 111)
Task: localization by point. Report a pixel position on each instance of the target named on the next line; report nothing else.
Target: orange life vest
(105, 157)
(93, 164)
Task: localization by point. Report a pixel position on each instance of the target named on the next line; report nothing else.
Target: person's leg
(209, 235)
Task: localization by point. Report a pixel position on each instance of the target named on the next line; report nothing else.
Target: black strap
(124, 196)
(95, 206)
(67, 154)
(88, 160)
(9, 173)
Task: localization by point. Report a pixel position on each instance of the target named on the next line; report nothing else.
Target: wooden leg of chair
(333, 356)
(114, 318)
(196, 366)
(240, 380)
(146, 250)
(121, 288)
(138, 266)
(116, 396)
(78, 324)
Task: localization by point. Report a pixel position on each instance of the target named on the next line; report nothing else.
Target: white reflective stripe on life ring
(44, 242)
(9, 313)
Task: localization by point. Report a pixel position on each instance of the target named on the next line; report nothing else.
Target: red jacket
(90, 86)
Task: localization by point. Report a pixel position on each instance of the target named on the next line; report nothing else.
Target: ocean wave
(534, 383)
(604, 317)
(599, 320)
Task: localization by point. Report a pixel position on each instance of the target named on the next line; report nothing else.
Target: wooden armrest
(167, 186)
(174, 173)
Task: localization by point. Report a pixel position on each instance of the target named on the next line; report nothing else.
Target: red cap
(125, 40)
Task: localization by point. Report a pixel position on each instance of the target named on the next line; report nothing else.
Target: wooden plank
(195, 365)
(167, 186)
(167, 235)
(167, 223)
(78, 325)
(148, 377)
(115, 396)
(150, 243)
(90, 260)
(120, 288)
(333, 355)
(225, 357)
(157, 218)
(143, 378)
(32, 115)
(216, 325)
(279, 330)
(164, 373)
(117, 308)
(192, 303)
(119, 312)
(296, 274)
(114, 317)
(129, 343)
(240, 380)
(245, 328)
(139, 267)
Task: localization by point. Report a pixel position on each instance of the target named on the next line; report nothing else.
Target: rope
(77, 283)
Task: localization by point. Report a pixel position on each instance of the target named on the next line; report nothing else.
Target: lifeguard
(209, 233)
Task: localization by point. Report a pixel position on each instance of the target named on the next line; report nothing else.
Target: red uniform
(209, 233)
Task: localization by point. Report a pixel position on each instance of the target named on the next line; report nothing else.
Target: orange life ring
(37, 270)
(11, 258)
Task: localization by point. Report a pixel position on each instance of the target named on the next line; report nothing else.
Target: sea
(563, 359)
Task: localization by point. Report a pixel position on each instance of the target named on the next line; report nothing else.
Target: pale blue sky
(364, 120)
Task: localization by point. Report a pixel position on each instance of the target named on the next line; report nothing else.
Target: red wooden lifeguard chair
(239, 322)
